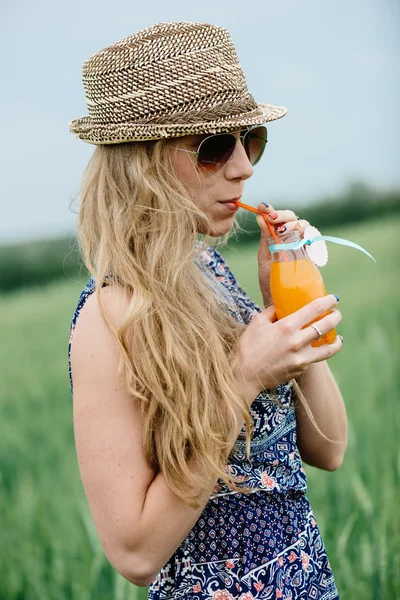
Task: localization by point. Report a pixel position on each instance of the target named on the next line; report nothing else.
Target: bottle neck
(287, 238)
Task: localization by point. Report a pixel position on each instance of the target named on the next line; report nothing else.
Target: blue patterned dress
(266, 545)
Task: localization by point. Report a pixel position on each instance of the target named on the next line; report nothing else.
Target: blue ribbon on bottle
(328, 238)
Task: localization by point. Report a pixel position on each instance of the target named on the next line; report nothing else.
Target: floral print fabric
(265, 545)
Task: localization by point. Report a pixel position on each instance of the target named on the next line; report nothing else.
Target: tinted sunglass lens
(215, 152)
(254, 143)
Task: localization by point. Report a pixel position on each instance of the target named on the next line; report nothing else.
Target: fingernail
(281, 228)
(267, 205)
(341, 338)
(273, 215)
(337, 297)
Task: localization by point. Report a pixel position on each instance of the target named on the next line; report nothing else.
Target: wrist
(249, 387)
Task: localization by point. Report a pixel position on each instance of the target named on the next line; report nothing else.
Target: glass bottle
(295, 281)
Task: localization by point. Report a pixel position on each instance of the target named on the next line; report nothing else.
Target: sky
(334, 65)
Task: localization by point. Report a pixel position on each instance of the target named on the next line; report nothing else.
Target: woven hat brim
(93, 133)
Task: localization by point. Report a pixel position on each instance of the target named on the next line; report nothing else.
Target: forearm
(166, 520)
(327, 407)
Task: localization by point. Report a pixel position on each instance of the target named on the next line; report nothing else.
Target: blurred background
(333, 159)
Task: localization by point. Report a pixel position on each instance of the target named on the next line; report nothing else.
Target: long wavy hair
(178, 350)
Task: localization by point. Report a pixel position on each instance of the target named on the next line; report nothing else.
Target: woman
(186, 394)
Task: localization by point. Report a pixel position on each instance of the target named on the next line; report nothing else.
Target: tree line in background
(39, 262)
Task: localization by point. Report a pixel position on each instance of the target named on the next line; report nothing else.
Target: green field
(49, 548)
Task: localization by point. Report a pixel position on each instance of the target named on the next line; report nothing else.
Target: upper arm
(107, 425)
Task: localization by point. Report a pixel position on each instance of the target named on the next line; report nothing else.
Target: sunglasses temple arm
(184, 150)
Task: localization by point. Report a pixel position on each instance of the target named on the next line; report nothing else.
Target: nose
(238, 166)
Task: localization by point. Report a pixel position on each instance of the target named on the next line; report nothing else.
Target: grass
(49, 547)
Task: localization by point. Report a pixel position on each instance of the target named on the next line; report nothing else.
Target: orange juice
(296, 281)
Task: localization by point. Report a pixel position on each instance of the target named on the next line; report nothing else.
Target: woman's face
(212, 191)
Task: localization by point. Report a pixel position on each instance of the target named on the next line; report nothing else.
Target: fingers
(311, 311)
(292, 226)
(263, 226)
(276, 217)
(284, 220)
(269, 314)
(324, 325)
(265, 208)
(324, 352)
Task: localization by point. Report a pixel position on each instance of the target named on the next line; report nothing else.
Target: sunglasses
(215, 150)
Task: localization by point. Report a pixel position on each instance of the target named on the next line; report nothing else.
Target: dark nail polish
(341, 337)
(265, 204)
(337, 297)
(281, 228)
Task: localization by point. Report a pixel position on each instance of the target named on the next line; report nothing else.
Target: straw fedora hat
(169, 80)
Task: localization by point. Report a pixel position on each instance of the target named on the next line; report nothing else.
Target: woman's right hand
(273, 352)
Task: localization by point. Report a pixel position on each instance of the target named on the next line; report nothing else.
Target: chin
(220, 227)
(218, 230)
(221, 232)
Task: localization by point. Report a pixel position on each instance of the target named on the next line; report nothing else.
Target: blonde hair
(179, 350)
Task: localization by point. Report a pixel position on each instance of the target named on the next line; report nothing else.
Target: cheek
(185, 168)
(187, 172)
(203, 189)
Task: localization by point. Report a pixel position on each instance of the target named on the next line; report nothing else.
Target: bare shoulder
(107, 425)
(93, 346)
(115, 301)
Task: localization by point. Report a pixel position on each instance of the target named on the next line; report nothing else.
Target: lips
(232, 206)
